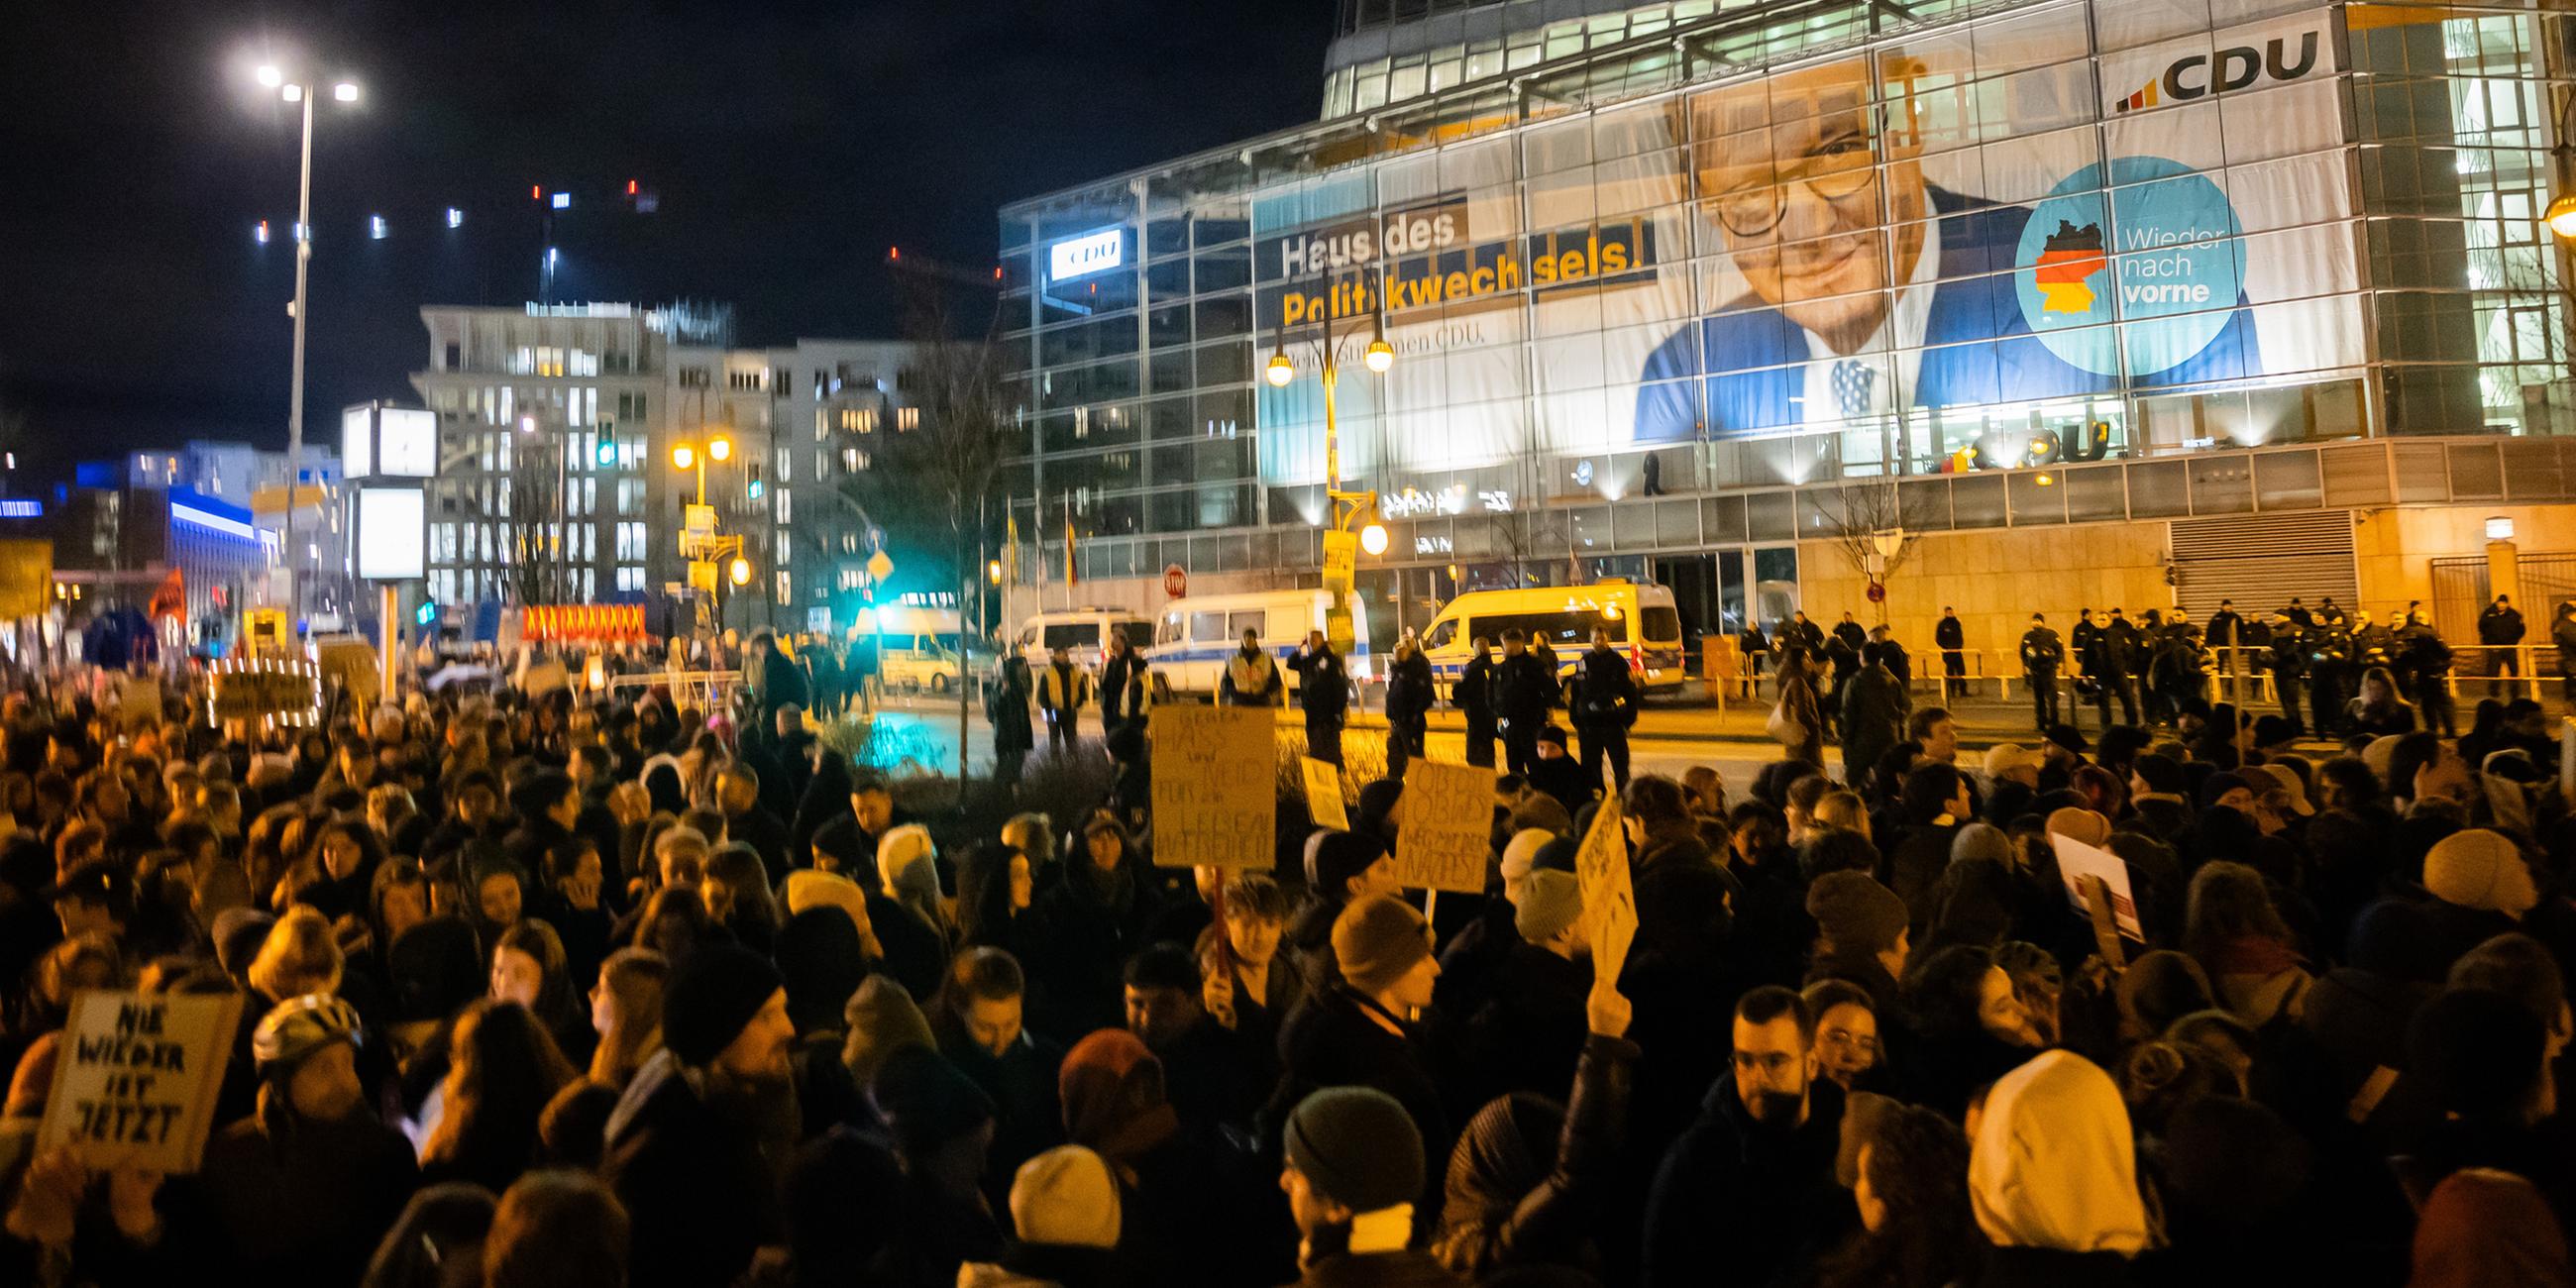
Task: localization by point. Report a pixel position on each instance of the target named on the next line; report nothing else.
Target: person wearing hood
(908, 866)
(1749, 1192)
(1094, 920)
(301, 1190)
(1360, 1032)
(2232, 928)
(2485, 1060)
(2052, 1177)
(1529, 1180)
(893, 940)
(2489, 1229)
(1068, 1221)
(1183, 1211)
(940, 1125)
(1352, 1169)
(698, 1142)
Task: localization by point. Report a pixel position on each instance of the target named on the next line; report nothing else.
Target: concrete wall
(1996, 579)
(2396, 547)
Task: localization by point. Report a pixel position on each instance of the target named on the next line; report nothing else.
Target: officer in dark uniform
(1474, 694)
(1952, 638)
(2329, 662)
(1524, 688)
(1324, 691)
(1604, 706)
(2042, 653)
(2288, 658)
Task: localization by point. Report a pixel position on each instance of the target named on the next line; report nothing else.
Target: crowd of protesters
(560, 990)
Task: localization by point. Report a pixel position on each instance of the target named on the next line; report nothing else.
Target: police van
(1642, 621)
(1194, 636)
(1082, 632)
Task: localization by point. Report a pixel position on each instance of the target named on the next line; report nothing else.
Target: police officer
(2114, 656)
(2424, 659)
(1474, 694)
(1952, 638)
(2500, 629)
(2329, 661)
(2042, 653)
(1524, 688)
(2288, 659)
(1324, 691)
(1604, 706)
(2226, 635)
(1251, 678)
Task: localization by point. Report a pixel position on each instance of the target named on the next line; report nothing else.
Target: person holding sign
(300, 1191)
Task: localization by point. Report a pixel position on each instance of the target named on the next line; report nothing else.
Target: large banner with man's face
(1955, 230)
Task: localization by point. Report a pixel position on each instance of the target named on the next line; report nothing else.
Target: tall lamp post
(710, 550)
(272, 77)
(1355, 525)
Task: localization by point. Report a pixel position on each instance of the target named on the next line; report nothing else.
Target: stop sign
(1176, 580)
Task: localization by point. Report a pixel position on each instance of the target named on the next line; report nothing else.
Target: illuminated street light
(270, 77)
(1380, 355)
(1373, 539)
(344, 92)
(720, 449)
(1280, 371)
(2562, 215)
(684, 456)
(740, 571)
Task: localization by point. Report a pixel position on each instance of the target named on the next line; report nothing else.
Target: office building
(2099, 302)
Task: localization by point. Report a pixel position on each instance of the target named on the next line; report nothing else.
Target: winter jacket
(1063, 687)
(1006, 706)
(1335, 1040)
(1605, 694)
(1408, 691)
(1874, 707)
(2500, 625)
(1474, 691)
(1251, 680)
(1323, 684)
(1507, 1207)
(2562, 632)
(698, 1194)
(1949, 634)
(2042, 653)
(1126, 689)
(305, 1203)
(1754, 1204)
(1524, 688)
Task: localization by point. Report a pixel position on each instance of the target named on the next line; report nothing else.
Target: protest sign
(2076, 861)
(1216, 795)
(138, 698)
(1324, 794)
(354, 663)
(26, 577)
(137, 1076)
(1609, 895)
(1447, 830)
(286, 691)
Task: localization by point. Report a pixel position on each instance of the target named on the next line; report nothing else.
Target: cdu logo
(2236, 67)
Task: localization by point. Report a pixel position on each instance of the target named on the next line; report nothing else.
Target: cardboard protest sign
(138, 698)
(2076, 861)
(1324, 794)
(137, 1077)
(355, 663)
(1215, 786)
(1447, 829)
(26, 577)
(1609, 895)
(267, 688)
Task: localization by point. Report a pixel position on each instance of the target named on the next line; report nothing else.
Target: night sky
(789, 145)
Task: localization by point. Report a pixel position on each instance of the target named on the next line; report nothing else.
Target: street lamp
(720, 450)
(740, 571)
(1354, 513)
(687, 456)
(271, 76)
(684, 456)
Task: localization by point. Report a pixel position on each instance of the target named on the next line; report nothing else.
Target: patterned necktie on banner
(1851, 381)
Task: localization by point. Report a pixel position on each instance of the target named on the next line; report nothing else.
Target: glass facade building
(2017, 255)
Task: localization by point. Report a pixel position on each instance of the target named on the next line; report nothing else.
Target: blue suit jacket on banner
(1756, 357)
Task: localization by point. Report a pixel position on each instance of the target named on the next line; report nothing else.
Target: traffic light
(757, 488)
(606, 453)
(427, 613)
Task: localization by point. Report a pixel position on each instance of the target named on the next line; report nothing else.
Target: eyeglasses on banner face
(1833, 168)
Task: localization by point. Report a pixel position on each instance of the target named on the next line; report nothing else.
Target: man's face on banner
(1788, 172)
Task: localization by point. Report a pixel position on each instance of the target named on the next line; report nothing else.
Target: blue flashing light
(563, 201)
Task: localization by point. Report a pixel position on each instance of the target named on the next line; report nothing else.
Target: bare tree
(946, 471)
(1873, 526)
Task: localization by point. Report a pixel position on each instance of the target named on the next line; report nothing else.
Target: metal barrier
(710, 688)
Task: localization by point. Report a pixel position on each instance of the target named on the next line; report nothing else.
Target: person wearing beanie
(1340, 867)
(2080, 824)
(694, 1146)
(2484, 887)
(908, 865)
(301, 1190)
(2012, 782)
(1359, 1031)
(1864, 935)
(1524, 1029)
(940, 1122)
(1519, 856)
(1064, 1207)
(1353, 1170)
(1559, 775)
(1549, 911)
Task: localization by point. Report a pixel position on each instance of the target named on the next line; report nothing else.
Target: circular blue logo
(2156, 252)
